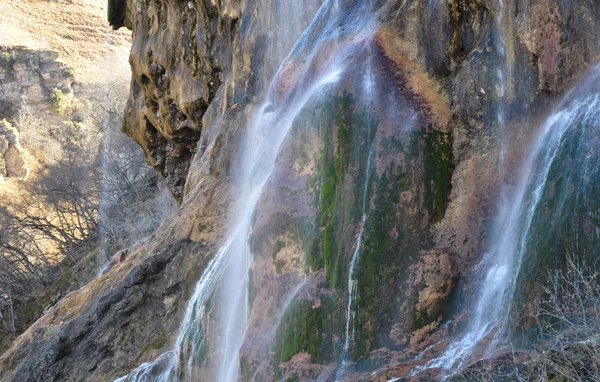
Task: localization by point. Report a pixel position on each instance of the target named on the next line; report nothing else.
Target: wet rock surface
(187, 57)
(199, 70)
(435, 277)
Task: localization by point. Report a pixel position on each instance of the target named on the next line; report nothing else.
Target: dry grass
(77, 29)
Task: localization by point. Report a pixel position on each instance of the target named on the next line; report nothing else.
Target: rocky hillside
(12, 164)
(75, 29)
(33, 78)
(52, 53)
(61, 110)
(402, 162)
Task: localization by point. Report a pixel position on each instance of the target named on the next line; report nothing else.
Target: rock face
(428, 128)
(182, 58)
(12, 164)
(142, 313)
(434, 276)
(31, 77)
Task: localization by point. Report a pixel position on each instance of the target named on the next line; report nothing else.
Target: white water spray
(102, 256)
(514, 225)
(230, 266)
(497, 262)
(306, 72)
(266, 135)
(350, 314)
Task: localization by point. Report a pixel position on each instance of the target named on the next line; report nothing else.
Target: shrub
(60, 101)
(6, 57)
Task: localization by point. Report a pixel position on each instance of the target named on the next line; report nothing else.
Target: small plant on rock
(60, 102)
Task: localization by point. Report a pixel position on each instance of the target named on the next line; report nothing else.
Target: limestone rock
(435, 274)
(200, 69)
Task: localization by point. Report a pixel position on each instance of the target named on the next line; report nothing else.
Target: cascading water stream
(580, 111)
(350, 314)
(489, 302)
(514, 225)
(266, 135)
(231, 264)
(287, 302)
(102, 256)
(500, 44)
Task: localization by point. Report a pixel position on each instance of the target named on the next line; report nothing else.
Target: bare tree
(567, 317)
(92, 191)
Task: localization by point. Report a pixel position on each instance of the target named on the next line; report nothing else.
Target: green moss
(157, 344)
(279, 265)
(329, 242)
(328, 193)
(405, 183)
(414, 160)
(340, 119)
(422, 318)
(305, 329)
(336, 272)
(7, 57)
(307, 235)
(377, 264)
(566, 220)
(278, 247)
(437, 172)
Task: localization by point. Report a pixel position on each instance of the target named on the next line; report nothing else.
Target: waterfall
(231, 264)
(354, 261)
(350, 314)
(576, 122)
(103, 256)
(500, 44)
(497, 262)
(510, 246)
(228, 271)
(265, 136)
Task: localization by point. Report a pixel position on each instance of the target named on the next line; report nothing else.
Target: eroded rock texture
(200, 69)
(188, 53)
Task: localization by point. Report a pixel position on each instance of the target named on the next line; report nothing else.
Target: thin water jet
(369, 83)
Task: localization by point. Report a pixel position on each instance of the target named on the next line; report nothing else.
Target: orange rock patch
(433, 102)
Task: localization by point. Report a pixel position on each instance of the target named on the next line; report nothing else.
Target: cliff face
(34, 78)
(423, 143)
(188, 54)
(30, 77)
(12, 164)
